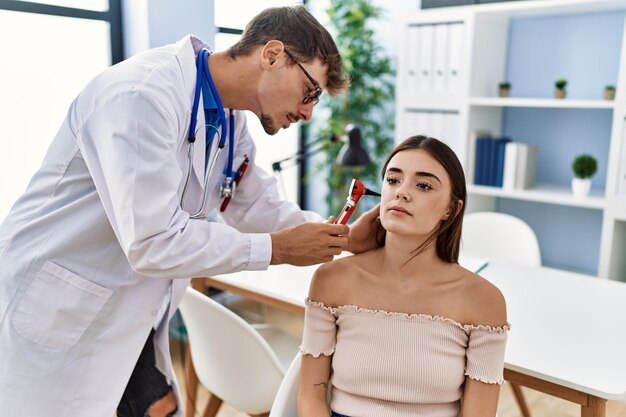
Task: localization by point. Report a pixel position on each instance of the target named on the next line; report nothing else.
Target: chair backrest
(231, 359)
(500, 236)
(286, 401)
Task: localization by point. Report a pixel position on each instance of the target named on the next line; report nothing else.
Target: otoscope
(356, 191)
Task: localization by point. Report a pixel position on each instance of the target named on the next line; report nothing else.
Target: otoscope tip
(370, 192)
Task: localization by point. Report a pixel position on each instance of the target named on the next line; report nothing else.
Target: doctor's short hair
(447, 236)
(303, 36)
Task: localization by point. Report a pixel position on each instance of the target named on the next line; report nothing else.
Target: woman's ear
(454, 207)
(270, 53)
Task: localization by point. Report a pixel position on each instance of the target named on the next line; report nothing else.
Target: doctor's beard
(268, 125)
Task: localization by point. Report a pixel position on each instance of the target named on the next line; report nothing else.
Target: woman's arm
(318, 341)
(313, 386)
(479, 399)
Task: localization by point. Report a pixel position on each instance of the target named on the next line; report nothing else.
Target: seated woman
(403, 330)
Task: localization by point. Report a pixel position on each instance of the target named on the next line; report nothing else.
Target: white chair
(236, 362)
(500, 236)
(507, 238)
(286, 401)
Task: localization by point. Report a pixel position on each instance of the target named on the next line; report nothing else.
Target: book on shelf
(526, 166)
(510, 165)
(621, 179)
(502, 163)
(520, 166)
(489, 162)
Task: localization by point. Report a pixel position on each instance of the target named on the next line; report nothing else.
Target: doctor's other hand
(308, 243)
(364, 231)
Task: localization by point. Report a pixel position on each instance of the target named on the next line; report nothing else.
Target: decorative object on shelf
(609, 92)
(584, 167)
(504, 88)
(560, 91)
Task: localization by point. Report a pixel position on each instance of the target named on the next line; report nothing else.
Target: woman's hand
(364, 231)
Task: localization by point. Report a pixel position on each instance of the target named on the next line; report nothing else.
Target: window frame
(113, 16)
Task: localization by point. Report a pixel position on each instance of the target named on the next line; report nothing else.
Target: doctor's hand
(365, 231)
(309, 243)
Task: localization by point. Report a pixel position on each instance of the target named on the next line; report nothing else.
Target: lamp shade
(353, 154)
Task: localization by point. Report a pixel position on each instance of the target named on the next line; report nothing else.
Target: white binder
(450, 134)
(422, 123)
(436, 125)
(410, 119)
(440, 58)
(455, 52)
(412, 58)
(621, 179)
(425, 58)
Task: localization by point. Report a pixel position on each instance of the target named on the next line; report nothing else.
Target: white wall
(152, 23)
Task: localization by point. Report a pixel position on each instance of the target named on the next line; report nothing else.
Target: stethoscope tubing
(203, 71)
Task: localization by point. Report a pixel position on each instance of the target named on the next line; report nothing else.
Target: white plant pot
(581, 187)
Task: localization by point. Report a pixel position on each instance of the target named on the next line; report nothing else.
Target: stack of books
(500, 162)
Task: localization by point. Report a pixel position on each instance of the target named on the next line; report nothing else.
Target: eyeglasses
(311, 95)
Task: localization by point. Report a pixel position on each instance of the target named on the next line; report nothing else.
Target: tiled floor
(541, 405)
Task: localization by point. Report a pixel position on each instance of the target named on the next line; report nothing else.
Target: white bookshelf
(541, 103)
(477, 40)
(543, 193)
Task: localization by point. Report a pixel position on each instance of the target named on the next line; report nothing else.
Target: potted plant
(584, 167)
(504, 88)
(368, 103)
(609, 92)
(560, 85)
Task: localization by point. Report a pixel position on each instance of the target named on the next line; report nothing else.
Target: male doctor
(96, 255)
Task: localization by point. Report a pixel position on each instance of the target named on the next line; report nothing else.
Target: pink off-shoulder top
(388, 364)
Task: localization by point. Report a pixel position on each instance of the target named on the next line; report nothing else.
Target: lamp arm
(300, 155)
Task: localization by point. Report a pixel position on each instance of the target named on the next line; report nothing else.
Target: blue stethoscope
(204, 84)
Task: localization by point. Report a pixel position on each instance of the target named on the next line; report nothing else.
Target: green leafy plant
(560, 84)
(610, 87)
(368, 104)
(584, 166)
(504, 85)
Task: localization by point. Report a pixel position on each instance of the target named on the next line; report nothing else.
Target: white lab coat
(98, 241)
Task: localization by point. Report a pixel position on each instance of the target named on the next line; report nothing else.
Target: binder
(510, 165)
(440, 58)
(489, 167)
(422, 123)
(481, 172)
(455, 57)
(526, 166)
(412, 59)
(425, 58)
(500, 147)
(621, 179)
(450, 133)
(436, 124)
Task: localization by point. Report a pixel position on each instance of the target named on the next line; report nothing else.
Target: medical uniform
(98, 241)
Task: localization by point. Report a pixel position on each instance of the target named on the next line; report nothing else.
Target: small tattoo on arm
(323, 384)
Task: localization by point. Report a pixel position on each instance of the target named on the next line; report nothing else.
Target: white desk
(568, 335)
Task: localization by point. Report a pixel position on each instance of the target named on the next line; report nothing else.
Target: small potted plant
(560, 85)
(609, 92)
(584, 167)
(504, 88)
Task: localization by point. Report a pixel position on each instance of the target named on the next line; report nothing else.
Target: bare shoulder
(485, 304)
(334, 279)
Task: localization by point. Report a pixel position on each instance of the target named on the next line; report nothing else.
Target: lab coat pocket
(58, 306)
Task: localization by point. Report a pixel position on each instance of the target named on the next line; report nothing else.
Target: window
(42, 71)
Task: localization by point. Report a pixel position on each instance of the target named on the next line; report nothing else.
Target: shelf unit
(583, 41)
